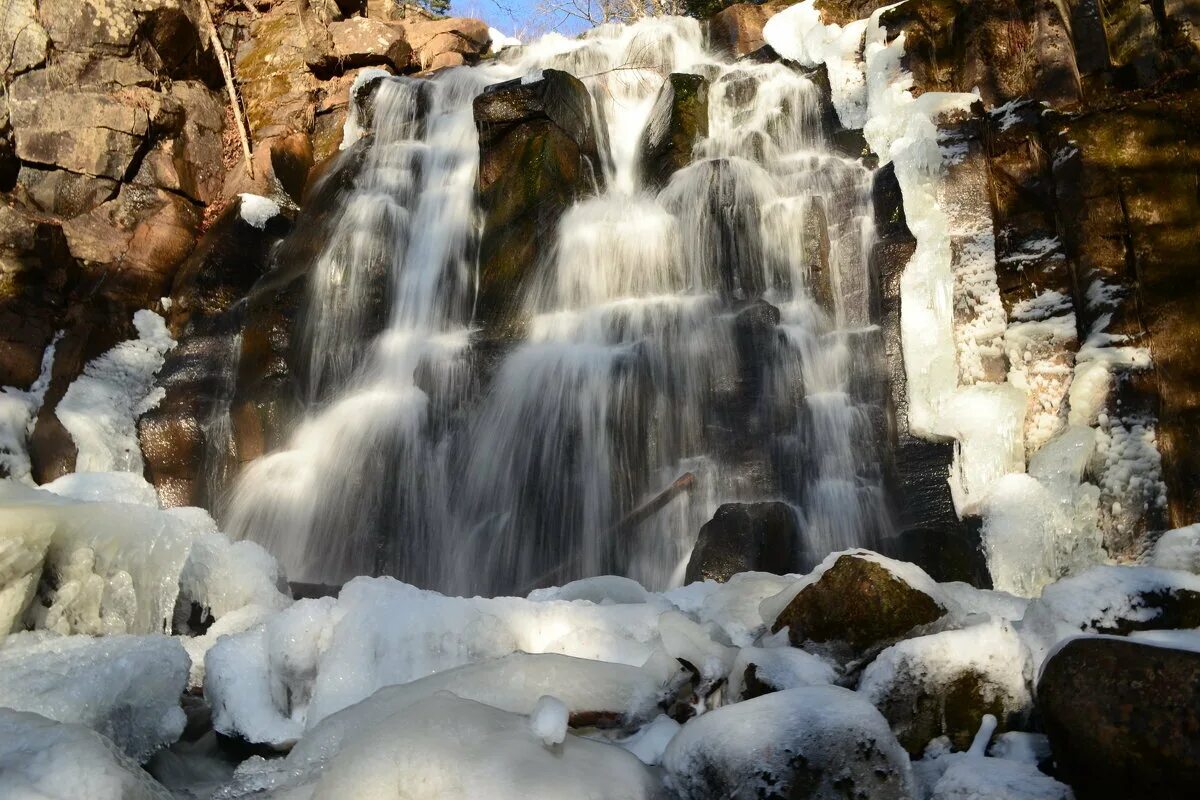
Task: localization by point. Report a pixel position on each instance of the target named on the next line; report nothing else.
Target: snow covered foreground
(113, 608)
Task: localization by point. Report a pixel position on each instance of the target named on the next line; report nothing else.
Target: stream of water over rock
(650, 350)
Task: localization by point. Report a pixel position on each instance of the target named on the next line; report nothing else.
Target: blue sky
(515, 17)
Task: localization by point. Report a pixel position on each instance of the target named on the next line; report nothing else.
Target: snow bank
(18, 412)
(500, 41)
(733, 606)
(101, 408)
(754, 746)
(452, 749)
(45, 760)
(125, 687)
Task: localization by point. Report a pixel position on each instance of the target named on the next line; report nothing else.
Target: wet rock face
(1122, 718)
(745, 537)
(857, 602)
(182, 457)
(538, 154)
(677, 121)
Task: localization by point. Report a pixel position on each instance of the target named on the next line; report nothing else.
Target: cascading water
(713, 327)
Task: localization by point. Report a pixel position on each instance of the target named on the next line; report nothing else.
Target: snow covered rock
(245, 679)
(857, 601)
(125, 687)
(1123, 717)
(321, 656)
(448, 748)
(1178, 549)
(760, 670)
(944, 683)
(818, 742)
(733, 606)
(41, 759)
(1112, 599)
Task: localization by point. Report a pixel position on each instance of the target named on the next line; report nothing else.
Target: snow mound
(101, 408)
(452, 749)
(41, 759)
(18, 412)
(737, 750)
(548, 721)
(732, 606)
(125, 687)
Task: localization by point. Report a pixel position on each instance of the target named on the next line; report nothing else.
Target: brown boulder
(362, 42)
(677, 121)
(432, 38)
(281, 168)
(1123, 718)
(737, 29)
(278, 90)
(190, 162)
(857, 602)
(131, 245)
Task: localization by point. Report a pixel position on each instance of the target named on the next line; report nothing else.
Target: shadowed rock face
(538, 153)
(745, 537)
(1122, 718)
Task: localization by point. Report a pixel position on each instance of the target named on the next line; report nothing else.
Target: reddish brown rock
(430, 39)
(362, 42)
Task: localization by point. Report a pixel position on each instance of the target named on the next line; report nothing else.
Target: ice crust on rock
(452, 749)
(968, 777)
(125, 687)
(548, 720)
(41, 759)
(101, 407)
(930, 666)
(841, 739)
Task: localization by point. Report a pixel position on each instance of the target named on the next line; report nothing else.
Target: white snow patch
(1178, 549)
(548, 720)
(256, 210)
(500, 41)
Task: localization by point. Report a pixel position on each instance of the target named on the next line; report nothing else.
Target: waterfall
(716, 327)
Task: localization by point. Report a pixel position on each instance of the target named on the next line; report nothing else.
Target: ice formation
(18, 412)
(125, 687)
(120, 567)
(41, 759)
(101, 408)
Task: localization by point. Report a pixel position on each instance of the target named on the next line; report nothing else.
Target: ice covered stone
(125, 687)
(944, 683)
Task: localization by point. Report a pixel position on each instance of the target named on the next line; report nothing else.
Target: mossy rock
(859, 603)
(678, 120)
